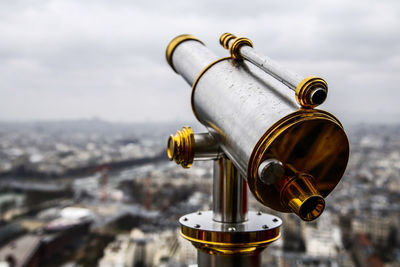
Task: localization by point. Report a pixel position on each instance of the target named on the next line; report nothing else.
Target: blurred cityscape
(94, 193)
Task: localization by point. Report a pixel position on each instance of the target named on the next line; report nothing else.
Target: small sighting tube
(229, 193)
(308, 95)
(273, 68)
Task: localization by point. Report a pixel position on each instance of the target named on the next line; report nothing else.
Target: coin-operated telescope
(264, 133)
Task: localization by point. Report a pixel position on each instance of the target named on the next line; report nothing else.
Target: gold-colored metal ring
(174, 43)
(197, 80)
(329, 143)
(225, 38)
(272, 238)
(305, 89)
(181, 147)
(256, 233)
(235, 46)
(230, 248)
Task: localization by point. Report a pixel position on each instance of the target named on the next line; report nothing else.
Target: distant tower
(147, 193)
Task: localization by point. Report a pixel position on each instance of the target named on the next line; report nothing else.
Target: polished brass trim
(198, 79)
(300, 195)
(313, 141)
(174, 43)
(225, 38)
(217, 237)
(221, 248)
(181, 147)
(235, 46)
(305, 88)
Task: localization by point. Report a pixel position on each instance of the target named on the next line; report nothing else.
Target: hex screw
(231, 229)
(275, 220)
(197, 226)
(265, 226)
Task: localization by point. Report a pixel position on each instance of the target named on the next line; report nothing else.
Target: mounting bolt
(231, 229)
(270, 171)
(275, 220)
(265, 226)
(197, 226)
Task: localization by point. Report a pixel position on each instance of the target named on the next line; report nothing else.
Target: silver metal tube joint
(206, 147)
(229, 193)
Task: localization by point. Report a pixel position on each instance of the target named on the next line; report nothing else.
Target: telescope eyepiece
(300, 195)
(311, 92)
(312, 208)
(318, 96)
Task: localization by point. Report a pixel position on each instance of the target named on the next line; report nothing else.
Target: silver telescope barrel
(254, 118)
(310, 92)
(237, 95)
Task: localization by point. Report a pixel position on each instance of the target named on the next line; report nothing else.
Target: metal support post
(229, 193)
(229, 235)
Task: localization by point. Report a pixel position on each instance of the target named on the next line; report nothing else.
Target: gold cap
(235, 45)
(174, 43)
(181, 147)
(311, 92)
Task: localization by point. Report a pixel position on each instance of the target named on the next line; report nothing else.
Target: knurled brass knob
(181, 147)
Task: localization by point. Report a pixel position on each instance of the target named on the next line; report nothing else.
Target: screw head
(199, 213)
(275, 220)
(185, 219)
(259, 213)
(231, 229)
(270, 171)
(197, 226)
(265, 226)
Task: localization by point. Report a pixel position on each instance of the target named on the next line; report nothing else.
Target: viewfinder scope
(263, 118)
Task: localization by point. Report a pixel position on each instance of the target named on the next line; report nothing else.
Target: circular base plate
(230, 238)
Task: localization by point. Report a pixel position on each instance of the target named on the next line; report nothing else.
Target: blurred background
(87, 102)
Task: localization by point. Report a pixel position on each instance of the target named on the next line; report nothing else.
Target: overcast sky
(68, 59)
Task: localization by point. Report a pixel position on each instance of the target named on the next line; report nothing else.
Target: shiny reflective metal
(181, 147)
(206, 147)
(301, 196)
(215, 237)
(270, 171)
(185, 146)
(290, 156)
(229, 193)
(254, 118)
(310, 96)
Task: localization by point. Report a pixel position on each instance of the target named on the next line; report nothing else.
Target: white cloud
(73, 59)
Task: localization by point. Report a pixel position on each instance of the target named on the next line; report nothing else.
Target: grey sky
(64, 59)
